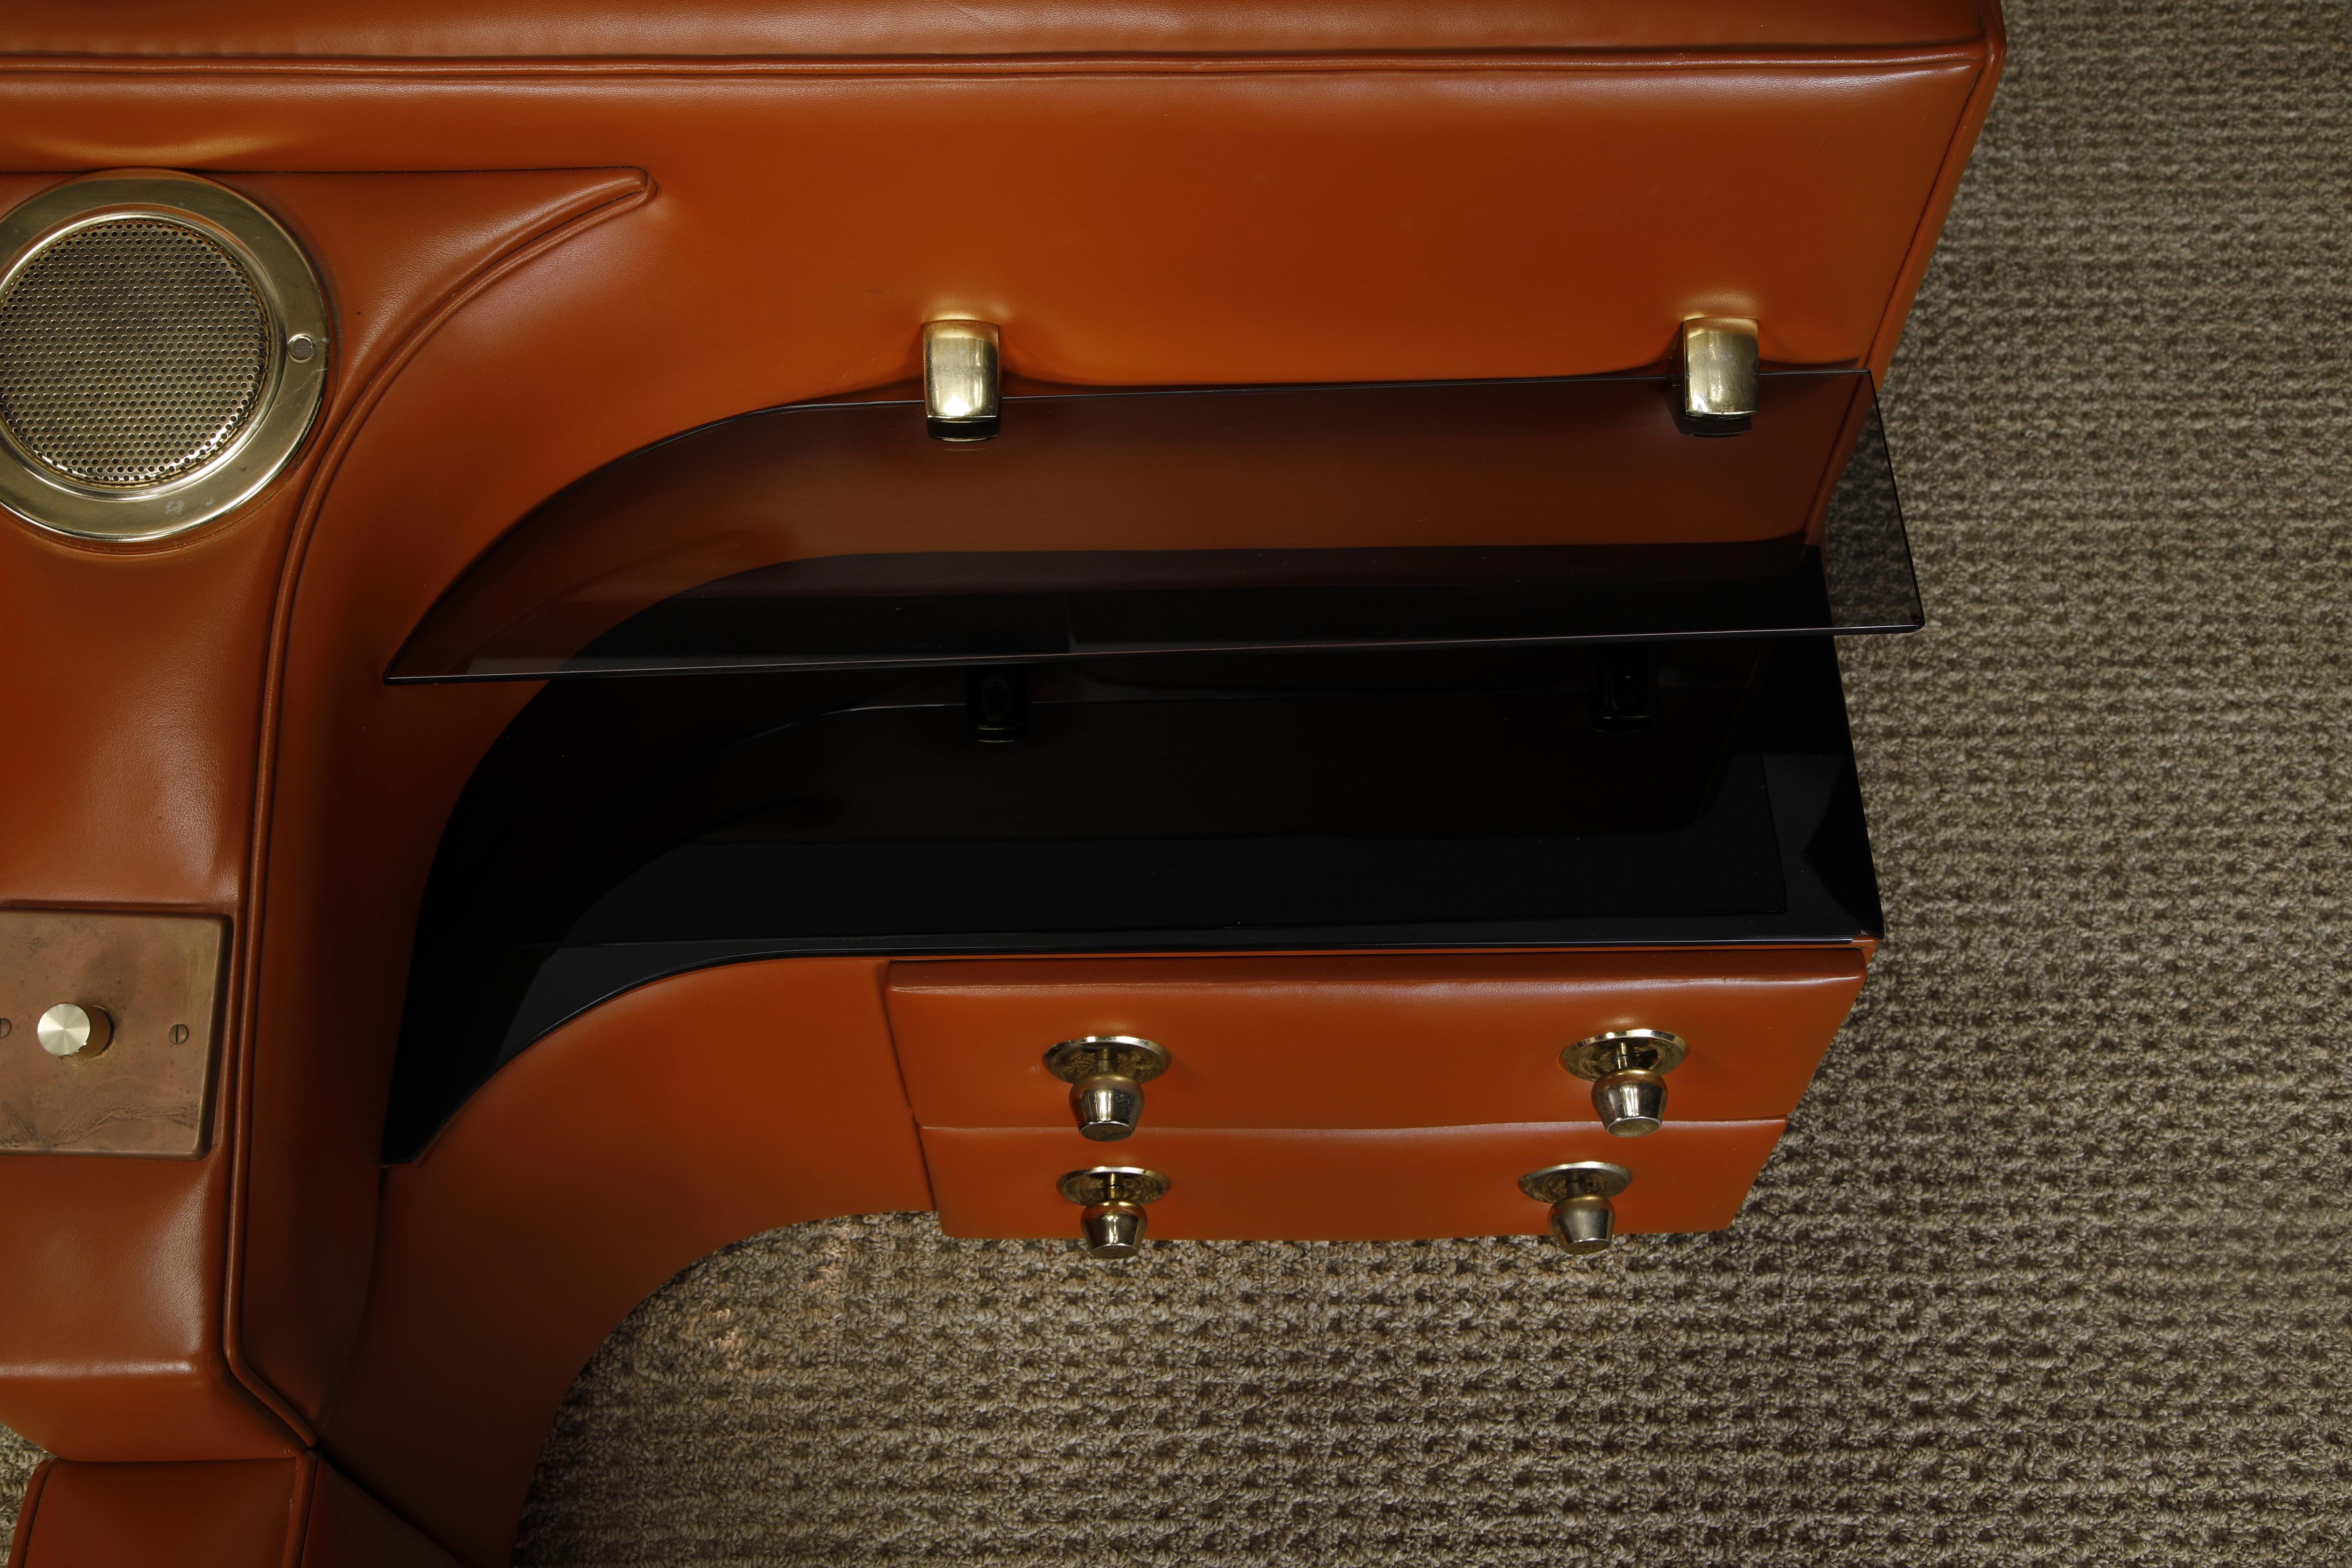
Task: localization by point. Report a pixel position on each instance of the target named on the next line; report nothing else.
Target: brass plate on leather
(157, 980)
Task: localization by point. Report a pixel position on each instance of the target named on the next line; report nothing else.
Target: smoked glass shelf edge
(1252, 519)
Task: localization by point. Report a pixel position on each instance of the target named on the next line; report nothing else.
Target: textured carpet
(2053, 1267)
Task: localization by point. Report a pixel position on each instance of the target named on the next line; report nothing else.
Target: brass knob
(1114, 1196)
(1582, 1219)
(1107, 1074)
(75, 1029)
(1628, 1068)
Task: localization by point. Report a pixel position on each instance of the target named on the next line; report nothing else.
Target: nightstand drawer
(1366, 1184)
(1379, 1040)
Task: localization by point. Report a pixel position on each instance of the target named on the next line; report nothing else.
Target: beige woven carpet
(2053, 1267)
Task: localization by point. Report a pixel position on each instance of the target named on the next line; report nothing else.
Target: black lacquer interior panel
(624, 830)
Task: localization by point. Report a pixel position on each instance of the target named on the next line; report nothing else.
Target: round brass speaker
(162, 352)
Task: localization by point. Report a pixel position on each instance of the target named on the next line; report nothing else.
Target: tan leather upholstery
(744, 207)
(1370, 1040)
(453, 29)
(665, 1124)
(238, 1513)
(1393, 1184)
(147, 669)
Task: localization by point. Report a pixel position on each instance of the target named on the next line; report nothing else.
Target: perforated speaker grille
(131, 351)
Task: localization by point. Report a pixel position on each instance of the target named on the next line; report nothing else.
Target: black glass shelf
(621, 831)
(1101, 524)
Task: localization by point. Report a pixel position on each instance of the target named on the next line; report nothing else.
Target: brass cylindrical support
(1719, 374)
(1106, 1074)
(1107, 1106)
(1628, 1068)
(1581, 1218)
(1112, 1230)
(1111, 1223)
(1583, 1224)
(960, 380)
(1630, 1104)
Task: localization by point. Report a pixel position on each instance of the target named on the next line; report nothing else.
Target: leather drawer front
(1387, 1040)
(1364, 1185)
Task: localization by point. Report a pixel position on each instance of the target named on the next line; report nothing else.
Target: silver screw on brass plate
(1581, 1220)
(1114, 1196)
(1107, 1074)
(1628, 1068)
(75, 1029)
(301, 347)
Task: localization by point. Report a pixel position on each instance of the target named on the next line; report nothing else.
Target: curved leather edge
(616, 192)
(1946, 187)
(675, 1120)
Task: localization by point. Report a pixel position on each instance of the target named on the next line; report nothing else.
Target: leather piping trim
(298, 1509)
(593, 209)
(1372, 62)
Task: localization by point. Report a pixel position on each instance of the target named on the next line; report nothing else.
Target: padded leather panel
(454, 28)
(233, 1513)
(147, 669)
(255, 1513)
(110, 1343)
(349, 1528)
(1396, 1184)
(1145, 228)
(1386, 1040)
(661, 1126)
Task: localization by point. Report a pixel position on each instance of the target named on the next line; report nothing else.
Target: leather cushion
(545, 28)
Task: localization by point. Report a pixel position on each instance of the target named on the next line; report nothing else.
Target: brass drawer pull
(1112, 1225)
(1107, 1074)
(1628, 1068)
(1582, 1219)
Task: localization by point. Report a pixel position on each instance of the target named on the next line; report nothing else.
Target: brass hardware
(996, 704)
(959, 380)
(162, 354)
(1112, 1225)
(70, 1030)
(127, 1066)
(1628, 1068)
(1107, 1074)
(1581, 1220)
(1718, 375)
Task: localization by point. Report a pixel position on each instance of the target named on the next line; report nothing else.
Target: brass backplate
(158, 977)
(1122, 1054)
(1582, 1179)
(1640, 1050)
(1113, 1184)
